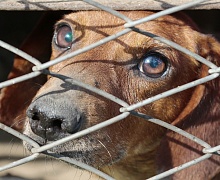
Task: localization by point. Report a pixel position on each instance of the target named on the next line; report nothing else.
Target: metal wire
(107, 9)
(170, 92)
(125, 109)
(81, 133)
(181, 167)
(19, 53)
(164, 12)
(79, 164)
(172, 128)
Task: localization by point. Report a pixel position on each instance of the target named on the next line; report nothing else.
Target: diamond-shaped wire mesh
(126, 109)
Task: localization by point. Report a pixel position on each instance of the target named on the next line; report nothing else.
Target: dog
(132, 67)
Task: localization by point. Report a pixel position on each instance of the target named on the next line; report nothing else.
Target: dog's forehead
(91, 26)
(101, 24)
(102, 18)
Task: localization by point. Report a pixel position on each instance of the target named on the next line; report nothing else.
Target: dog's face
(132, 67)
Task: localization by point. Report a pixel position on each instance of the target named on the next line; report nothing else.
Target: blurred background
(14, 27)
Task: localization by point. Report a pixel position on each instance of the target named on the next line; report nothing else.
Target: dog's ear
(14, 99)
(209, 48)
(201, 118)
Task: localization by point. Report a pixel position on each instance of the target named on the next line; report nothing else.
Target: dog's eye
(64, 36)
(153, 65)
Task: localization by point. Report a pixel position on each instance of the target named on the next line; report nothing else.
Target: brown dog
(133, 67)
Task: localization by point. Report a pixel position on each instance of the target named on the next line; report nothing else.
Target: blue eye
(64, 36)
(69, 37)
(153, 65)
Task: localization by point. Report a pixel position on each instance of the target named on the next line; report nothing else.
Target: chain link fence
(126, 110)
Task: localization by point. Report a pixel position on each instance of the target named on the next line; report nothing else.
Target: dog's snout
(52, 119)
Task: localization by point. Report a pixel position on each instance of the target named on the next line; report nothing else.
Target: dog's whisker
(17, 122)
(39, 85)
(11, 145)
(106, 150)
(110, 169)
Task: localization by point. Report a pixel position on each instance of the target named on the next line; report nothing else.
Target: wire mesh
(126, 109)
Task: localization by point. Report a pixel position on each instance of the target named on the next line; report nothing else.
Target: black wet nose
(53, 118)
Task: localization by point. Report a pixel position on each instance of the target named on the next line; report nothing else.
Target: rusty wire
(126, 109)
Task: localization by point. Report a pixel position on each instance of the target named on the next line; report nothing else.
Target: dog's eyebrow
(155, 46)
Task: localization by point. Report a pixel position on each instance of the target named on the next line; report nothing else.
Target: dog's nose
(53, 118)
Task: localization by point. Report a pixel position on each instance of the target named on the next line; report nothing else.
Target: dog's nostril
(35, 116)
(57, 123)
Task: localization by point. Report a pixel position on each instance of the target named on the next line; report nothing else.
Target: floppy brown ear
(15, 98)
(209, 48)
(201, 117)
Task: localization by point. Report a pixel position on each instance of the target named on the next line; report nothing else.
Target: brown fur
(132, 148)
